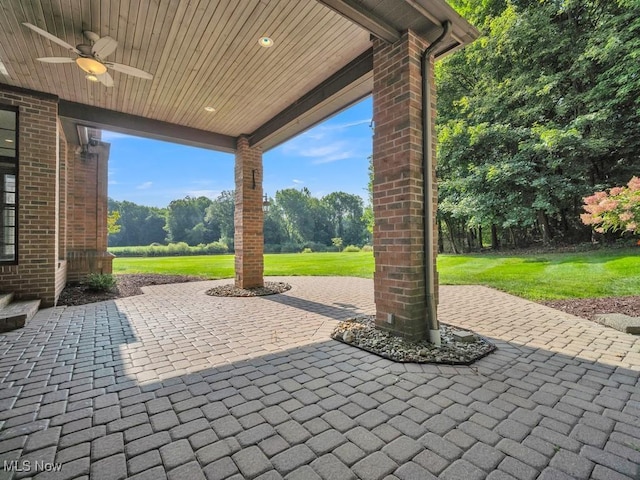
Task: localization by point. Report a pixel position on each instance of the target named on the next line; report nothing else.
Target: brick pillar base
(398, 206)
(249, 217)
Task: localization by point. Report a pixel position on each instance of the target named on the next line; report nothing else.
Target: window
(8, 184)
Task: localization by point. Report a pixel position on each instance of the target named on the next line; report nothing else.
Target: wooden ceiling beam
(144, 127)
(364, 18)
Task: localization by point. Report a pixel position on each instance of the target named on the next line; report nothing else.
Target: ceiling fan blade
(104, 47)
(53, 38)
(56, 60)
(105, 79)
(136, 72)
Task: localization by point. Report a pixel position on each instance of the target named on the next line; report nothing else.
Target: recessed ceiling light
(210, 109)
(265, 42)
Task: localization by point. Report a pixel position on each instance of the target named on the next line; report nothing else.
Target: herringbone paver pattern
(175, 384)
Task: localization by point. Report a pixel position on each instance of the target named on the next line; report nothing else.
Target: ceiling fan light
(91, 66)
(91, 77)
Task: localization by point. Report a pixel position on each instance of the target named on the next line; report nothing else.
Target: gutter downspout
(427, 164)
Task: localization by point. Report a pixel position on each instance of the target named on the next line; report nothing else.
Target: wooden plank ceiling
(200, 52)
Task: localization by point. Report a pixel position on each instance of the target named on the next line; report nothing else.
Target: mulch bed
(128, 285)
(588, 307)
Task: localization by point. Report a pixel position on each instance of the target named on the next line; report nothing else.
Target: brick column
(398, 238)
(87, 214)
(249, 218)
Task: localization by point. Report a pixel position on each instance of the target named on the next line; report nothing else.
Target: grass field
(602, 273)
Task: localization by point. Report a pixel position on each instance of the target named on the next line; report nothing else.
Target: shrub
(216, 247)
(351, 248)
(290, 247)
(307, 250)
(179, 248)
(100, 282)
(367, 248)
(617, 209)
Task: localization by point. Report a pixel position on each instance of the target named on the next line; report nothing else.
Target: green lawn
(539, 277)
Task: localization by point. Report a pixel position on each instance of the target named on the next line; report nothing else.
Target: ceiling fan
(91, 58)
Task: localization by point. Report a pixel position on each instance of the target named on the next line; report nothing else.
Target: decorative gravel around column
(361, 333)
(230, 290)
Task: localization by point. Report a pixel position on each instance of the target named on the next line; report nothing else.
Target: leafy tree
(112, 222)
(346, 216)
(296, 207)
(139, 225)
(219, 216)
(535, 114)
(185, 215)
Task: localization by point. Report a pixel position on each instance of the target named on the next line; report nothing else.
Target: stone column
(398, 205)
(249, 217)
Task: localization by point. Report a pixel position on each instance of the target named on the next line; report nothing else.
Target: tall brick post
(398, 201)
(249, 217)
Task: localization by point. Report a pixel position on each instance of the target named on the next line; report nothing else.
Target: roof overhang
(209, 54)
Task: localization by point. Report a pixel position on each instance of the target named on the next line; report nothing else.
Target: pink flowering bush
(618, 209)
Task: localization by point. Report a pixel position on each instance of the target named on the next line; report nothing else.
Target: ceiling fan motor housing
(85, 50)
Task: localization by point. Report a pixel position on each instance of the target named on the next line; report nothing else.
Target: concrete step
(620, 321)
(16, 314)
(5, 299)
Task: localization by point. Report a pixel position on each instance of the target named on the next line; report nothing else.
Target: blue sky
(329, 157)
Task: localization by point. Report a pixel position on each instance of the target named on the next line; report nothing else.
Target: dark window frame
(14, 171)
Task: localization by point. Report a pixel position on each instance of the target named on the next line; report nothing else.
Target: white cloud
(297, 182)
(144, 186)
(330, 143)
(342, 126)
(113, 182)
(212, 194)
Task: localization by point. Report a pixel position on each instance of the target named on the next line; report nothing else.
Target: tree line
(538, 113)
(294, 220)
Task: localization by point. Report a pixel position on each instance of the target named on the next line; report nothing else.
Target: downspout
(427, 164)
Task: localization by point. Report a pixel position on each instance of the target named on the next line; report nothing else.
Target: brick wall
(399, 278)
(35, 274)
(86, 234)
(249, 217)
(61, 214)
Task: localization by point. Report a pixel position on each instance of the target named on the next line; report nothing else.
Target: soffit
(206, 53)
(200, 52)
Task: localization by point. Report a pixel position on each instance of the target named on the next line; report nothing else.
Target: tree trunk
(495, 242)
(440, 237)
(480, 237)
(452, 237)
(543, 223)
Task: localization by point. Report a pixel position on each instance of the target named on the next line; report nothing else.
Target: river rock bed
(230, 290)
(361, 332)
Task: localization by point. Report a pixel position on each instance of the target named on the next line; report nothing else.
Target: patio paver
(175, 383)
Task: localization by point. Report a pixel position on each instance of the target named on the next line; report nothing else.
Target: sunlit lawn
(600, 273)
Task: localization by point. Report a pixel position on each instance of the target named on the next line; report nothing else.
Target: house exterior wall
(37, 267)
(399, 250)
(62, 204)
